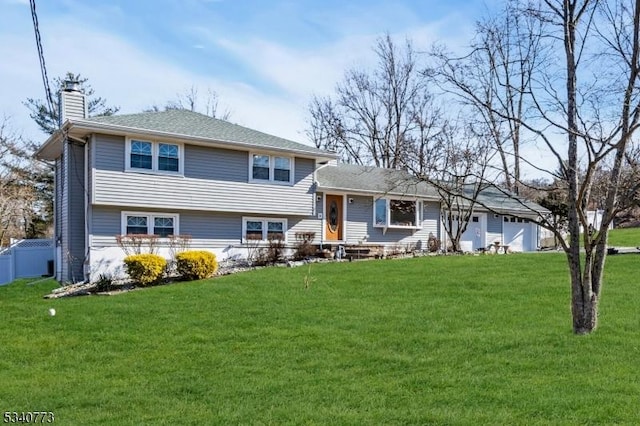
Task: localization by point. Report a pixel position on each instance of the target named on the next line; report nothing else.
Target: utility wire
(43, 67)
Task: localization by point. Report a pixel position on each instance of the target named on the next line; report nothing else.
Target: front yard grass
(435, 340)
(624, 237)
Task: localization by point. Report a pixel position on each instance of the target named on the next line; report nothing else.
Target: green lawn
(624, 237)
(437, 340)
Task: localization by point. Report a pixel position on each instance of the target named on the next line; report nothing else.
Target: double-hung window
(141, 155)
(271, 168)
(160, 224)
(393, 213)
(137, 225)
(168, 157)
(152, 156)
(263, 229)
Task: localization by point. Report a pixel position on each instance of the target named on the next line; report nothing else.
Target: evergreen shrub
(196, 264)
(145, 269)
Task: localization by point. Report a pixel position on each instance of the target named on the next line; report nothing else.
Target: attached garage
(519, 234)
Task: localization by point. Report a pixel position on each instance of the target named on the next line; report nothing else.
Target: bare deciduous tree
(190, 100)
(585, 88)
(494, 79)
(378, 117)
(459, 169)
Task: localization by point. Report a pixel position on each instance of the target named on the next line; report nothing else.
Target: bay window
(394, 213)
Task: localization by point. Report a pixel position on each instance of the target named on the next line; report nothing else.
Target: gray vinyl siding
(57, 212)
(211, 226)
(214, 180)
(106, 222)
(360, 227)
(109, 153)
(70, 210)
(63, 218)
(216, 164)
(76, 211)
(205, 228)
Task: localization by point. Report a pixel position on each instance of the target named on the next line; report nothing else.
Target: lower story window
(275, 230)
(160, 224)
(263, 229)
(136, 225)
(402, 213)
(163, 226)
(397, 213)
(253, 230)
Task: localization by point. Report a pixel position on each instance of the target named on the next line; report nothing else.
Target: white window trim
(150, 219)
(155, 150)
(418, 219)
(272, 162)
(264, 221)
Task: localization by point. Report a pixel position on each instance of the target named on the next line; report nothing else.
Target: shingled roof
(196, 125)
(382, 182)
(369, 179)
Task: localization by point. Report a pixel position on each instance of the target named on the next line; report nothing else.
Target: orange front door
(333, 218)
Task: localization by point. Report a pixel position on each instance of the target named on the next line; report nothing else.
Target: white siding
(172, 192)
(73, 105)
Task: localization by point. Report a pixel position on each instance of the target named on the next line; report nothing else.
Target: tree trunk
(584, 301)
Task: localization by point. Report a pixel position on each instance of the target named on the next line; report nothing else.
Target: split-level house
(178, 172)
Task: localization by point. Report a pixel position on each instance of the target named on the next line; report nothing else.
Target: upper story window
(141, 155)
(390, 213)
(271, 168)
(168, 157)
(154, 156)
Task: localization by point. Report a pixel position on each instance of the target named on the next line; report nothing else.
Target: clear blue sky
(264, 58)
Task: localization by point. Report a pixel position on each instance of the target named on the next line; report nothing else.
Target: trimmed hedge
(145, 269)
(196, 264)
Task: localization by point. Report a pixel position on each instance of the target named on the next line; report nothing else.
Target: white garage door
(518, 234)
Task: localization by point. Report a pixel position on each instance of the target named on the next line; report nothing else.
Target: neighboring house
(594, 218)
(182, 173)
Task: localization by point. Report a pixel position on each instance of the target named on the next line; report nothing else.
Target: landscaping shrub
(145, 269)
(275, 248)
(196, 264)
(104, 283)
(304, 248)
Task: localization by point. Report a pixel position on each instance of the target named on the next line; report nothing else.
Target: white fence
(26, 258)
